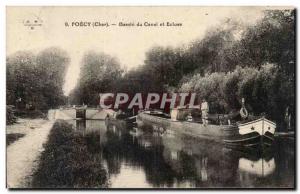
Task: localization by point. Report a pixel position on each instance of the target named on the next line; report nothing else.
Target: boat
(255, 133)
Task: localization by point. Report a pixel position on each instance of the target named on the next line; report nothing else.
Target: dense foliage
(264, 90)
(10, 115)
(231, 61)
(99, 73)
(36, 81)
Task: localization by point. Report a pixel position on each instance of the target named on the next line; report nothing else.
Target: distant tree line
(35, 81)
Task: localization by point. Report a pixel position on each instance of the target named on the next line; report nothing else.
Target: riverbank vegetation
(10, 115)
(264, 90)
(231, 61)
(67, 162)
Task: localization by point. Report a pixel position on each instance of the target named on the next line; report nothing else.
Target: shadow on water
(134, 158)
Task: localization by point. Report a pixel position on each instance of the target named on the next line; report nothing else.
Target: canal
(136, 159)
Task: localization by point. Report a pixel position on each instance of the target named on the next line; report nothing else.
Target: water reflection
(134, 158)
(260, 167)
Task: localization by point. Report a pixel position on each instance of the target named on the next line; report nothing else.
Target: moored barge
(257, 132)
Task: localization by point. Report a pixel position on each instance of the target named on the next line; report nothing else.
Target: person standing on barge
(204, 112)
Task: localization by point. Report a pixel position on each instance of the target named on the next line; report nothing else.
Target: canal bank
(137, 159)
(25, 143)
(22, 154)
(69, 161)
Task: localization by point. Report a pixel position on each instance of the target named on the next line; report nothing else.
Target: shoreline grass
(67, 162)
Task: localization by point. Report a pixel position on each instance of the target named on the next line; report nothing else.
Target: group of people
(205, 109)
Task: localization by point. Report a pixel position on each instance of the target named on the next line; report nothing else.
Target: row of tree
(265, 90)
(256, 62)
(36, 81)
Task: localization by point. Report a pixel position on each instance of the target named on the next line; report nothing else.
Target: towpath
(22, 155)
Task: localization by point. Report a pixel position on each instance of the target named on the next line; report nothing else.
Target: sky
(128, 44)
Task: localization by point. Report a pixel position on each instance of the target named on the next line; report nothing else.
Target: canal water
(136, 159)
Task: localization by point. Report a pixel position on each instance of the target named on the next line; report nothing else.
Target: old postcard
(150, 97)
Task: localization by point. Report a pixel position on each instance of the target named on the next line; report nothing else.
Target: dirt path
(22, 155)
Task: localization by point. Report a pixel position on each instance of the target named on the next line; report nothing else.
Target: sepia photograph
(150, 97)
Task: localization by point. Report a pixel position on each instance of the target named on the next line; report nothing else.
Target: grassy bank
(67, 162)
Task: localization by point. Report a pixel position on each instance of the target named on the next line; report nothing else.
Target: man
(204, 111)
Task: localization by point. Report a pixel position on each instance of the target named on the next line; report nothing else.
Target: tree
(36, 81)
(52, 65)
(99, 73)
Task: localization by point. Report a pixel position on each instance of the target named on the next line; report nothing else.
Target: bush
(12, 137)
(10, 115)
